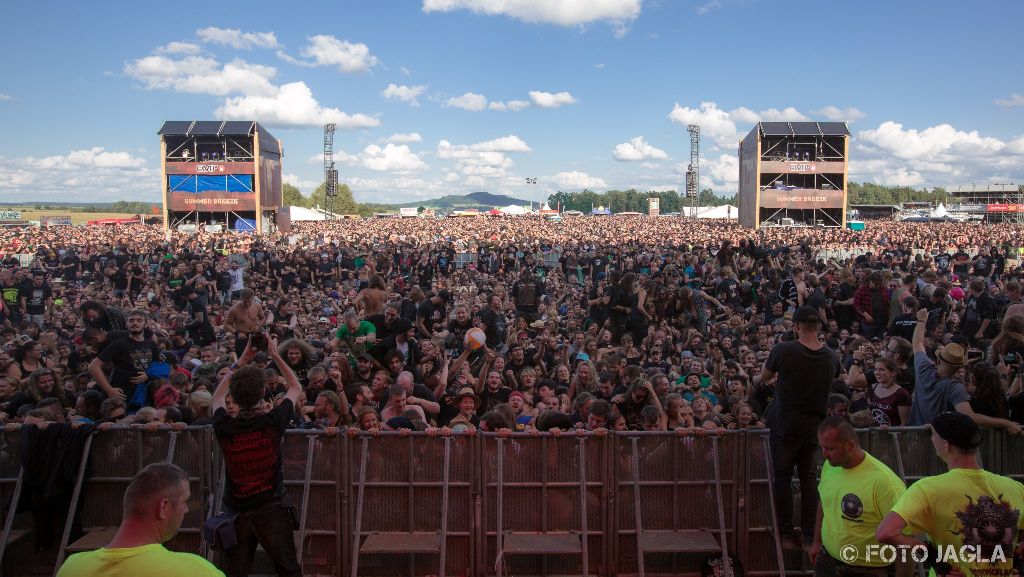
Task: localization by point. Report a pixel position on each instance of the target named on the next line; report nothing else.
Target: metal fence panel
(403, 492)
(541, 494)
(677, 493)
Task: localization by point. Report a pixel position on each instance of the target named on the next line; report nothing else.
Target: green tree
(291, 196)
(421, 209)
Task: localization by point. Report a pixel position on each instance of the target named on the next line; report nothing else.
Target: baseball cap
(806, 315)
(324, 320)
(582, 357)
(958, 430)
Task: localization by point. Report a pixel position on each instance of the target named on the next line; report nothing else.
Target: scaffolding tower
(693, 171)
(330, 173)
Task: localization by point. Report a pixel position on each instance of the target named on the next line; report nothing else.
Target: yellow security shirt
(853, 503)
(148, 561)
(969, 507)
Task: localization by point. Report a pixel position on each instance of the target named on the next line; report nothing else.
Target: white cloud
(90, 174)
(396, 158)
(1013, 100)
(637, 149)
(202, 75)
(720, 174)
(404, 93)
(179, 48)
(292, 105)
(936, 143)
(549, 100)
(483, 159)
(709, 6)
(405, 71)
(510, 143)
(513, 105)
(326, 50)
(939, 155)
(574, 180)
(469, 101)
(5, 97)
(235, 38)
(96, 157)
(305, 186)
(849, 114)
(391, 158)
(402, 138)
(713, 121)
(451, 177)
(599, 66)
(562, 13)
(721, 125)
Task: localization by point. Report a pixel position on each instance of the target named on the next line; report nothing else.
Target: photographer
(252, 444)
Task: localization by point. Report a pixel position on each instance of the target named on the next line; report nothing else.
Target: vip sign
(209, 168)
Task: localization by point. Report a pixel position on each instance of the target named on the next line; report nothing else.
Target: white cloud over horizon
(561, 13)
(327, 50)
(292, 105)
(637, 149)
(402, 93)
(235, 38)
(577, 180)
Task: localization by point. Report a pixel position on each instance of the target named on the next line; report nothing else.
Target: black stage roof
(804, 128)
(220, 128)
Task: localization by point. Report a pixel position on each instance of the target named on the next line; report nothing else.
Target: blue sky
(438, 97)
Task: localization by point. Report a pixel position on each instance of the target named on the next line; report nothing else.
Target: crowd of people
(614, 323)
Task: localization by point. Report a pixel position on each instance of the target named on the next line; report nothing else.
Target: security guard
(972, 516)
(856, 491)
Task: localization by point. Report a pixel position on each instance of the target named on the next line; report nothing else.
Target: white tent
(724, 211)
(939, 211)
(514, 209)
(299, 213)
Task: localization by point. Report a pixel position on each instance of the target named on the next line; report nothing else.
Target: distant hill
(478, 200)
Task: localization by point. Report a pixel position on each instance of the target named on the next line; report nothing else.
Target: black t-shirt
(426, 311)
(801, 392)
(12, 295)
(903, 326)
(129, 357)
(816, 299)
(383, 331)
(35, 298)
(252, 448)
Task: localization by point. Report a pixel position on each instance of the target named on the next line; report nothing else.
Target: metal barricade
(544, 504)
(11, 482)
(761, 551)
(407, 513)
(491, 504)
(684, 491)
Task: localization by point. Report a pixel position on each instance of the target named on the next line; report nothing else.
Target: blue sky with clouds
(433, 97)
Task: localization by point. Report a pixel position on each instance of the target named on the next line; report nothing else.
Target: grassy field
(76, 217)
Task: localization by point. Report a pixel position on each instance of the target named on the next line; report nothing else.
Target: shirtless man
(373, 296)
(244, 318)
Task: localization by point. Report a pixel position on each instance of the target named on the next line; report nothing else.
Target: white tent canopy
(299, 214)
(514, 209)
(724, 211)
(939, 211)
